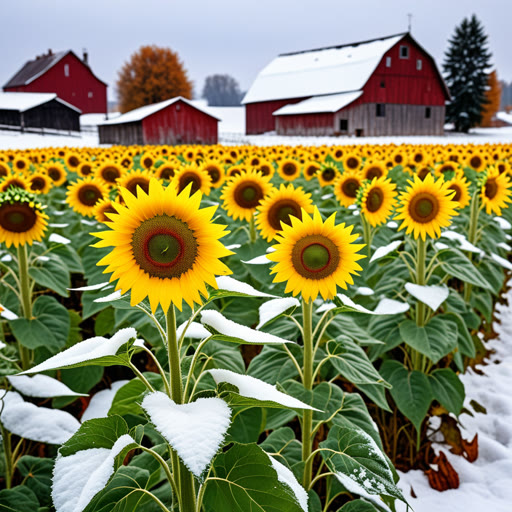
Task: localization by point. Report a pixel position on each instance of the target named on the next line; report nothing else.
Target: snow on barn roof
(23, 101)
(321, 71)
(141, 113)
(319, 104)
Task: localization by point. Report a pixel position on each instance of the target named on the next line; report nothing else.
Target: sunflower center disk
(164, 247)
(248, 195)
(423, 208)
(110, 174)
(281, 212)
(373, 172)
(89, 195)
(328, 174)
(187, 178)
(315, 257)
(491, 189)
(17, 218)
(374, 200)
(350, 187)
(352, 163)
(458, 192)
(37, 184)
(289, 169)
(133, 185)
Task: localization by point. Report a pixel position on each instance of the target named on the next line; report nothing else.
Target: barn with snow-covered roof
(386, 86)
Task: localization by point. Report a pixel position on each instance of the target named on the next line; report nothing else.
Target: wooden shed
(386, 86)
(65, 74)
(26, 110)
(174, 121)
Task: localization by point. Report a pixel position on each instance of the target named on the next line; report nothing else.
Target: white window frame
(90, 94)
(388, 62)
(419, 65)
(406, 48)
(66, 70)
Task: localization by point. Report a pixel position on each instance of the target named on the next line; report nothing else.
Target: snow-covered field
(232, 131)
(485, 484)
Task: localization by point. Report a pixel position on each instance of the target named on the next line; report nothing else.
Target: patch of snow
(251, 387)
(58, 239)
(504, 223)
(317, 104)
(385, 250)
(392, 224)
(90, 469)
(7, 313)
(40, 386)
(390, 307)
(258, 260)
(432, 296)
(53, 225)
(232, 285)
(89, 288)
(111, 297)
(501, 261)
(273, 308)
(38, 424)
(195, 330)
(439, 246)
(503, 245)
(6, 258)
(326, 306)
(222, 325)
(2, 345)
(43, 258)
(88, 222)
(356, 487)
(233, 246)
(464, 243)
(285, 476)
(101, 402)
(365, 291)
(195, 430)
(87, 350)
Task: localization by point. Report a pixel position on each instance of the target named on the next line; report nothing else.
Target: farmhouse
(66, 75)
(174, 121)
(26, 110)
(386, 86)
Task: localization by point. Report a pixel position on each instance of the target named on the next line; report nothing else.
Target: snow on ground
(486, 483)
(16, 140)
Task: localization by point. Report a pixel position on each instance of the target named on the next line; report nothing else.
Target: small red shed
(174, 121)
(66, 75)
(386, 86)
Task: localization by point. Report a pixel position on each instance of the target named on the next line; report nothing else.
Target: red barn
(386, 86)
(64, 74)
(174, 121)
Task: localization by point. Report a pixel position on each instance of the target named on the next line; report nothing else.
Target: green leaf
(224, 355)
(437, 339)
(129, 396)
(411, 391)
(350, 326)
(464, 339)
(358, 462)
(48, 328)
(246, 426)
(18, 499)
(53, 275)
(358, 506)
(447, 389)
(456, 264)
(105, 322)
(283, 445)
(246, 481)
(69, 256)
(274, 365)
(95, 433)
(37, 473)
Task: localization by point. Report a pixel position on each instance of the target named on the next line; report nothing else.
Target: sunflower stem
(367, 235)
(26, 301)
(418, 359)
(307, 380)
(472, 231)
(6, 441)
(253, 235)
(183, 478)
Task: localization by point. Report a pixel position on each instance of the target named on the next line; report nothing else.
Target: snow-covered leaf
(250, 387)
(227, 330)
(38, 424)
(501, 261)
(503, 223)
(7, 314)
(384, 307)
(93, 351)
(195, 430)
(432, 296)
(258, 260)
(285, 476)
(230, 287)
(90, 288)
(274, 308)
(101, 402)
(195, 330)
(111, 297)
(385, 250)
(58, 239)
(364, 290)
(40, 386)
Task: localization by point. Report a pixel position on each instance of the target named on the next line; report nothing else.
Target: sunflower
(476, 161)
(57, 173)
(243, 193)
(426, 207)
(310, 169)
(234, 170)
(377, 199)
(373, 170)
(167, 170)
(351, 162)
(266, 169)
(4, 169)
(279, 206)
(422, 172)
(289, 169)
(147, 160)
(327, 175)
(22, 220)
(192, 175)
(460, 185)
(84, 169)
(447, 169)
(134, 180)
(346, 187)
(73, 161)
(102, 208)
(84, 193)
(165, 247)
(109, 172)
(314, 257)
(14, 181)
(216, 172)
(20, 164)
(494, 192)
(39, 183)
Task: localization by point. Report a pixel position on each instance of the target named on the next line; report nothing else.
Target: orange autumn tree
(151, 75)
(493, 97)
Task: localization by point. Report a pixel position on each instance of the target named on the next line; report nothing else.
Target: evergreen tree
(466, 68)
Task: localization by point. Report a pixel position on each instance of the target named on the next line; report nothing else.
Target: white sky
(224, 36)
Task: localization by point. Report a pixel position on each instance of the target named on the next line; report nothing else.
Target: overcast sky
(228, 36)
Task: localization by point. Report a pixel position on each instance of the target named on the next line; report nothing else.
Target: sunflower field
(239, 328)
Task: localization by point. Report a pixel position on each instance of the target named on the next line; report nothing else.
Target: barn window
(388, 62)
(380, 110)
(404, 52)
(428, 112)
(382, 84)
(178, 107)
(344, 125)
(419, 64)
(89, 95)
(66, 69)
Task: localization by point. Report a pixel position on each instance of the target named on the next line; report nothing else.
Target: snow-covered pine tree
(466, 67)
